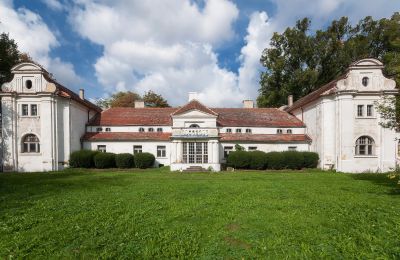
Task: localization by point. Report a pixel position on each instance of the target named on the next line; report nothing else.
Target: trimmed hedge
(239, 159)
(82, 159)
(104, 160)
(124, 160)
(310, 160)
(258, 160)
(144, 160)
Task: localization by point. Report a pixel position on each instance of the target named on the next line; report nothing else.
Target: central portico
(194, 137)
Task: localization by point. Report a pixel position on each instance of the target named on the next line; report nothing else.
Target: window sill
(366, 117)
(161, 157)
(365, 156)
(29, 116)
(30, 154)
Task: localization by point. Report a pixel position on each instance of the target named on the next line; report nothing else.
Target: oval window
(28, 84)
(365, 81)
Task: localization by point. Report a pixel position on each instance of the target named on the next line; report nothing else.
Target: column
(216, 152)
(179, 152)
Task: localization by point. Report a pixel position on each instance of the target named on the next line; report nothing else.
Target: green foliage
(144, 160)
(124, 160)
(275, 160)
(293, 160)
(128, 98)
(310, 159)
(82, 159)
(298, 62)
(153, 99)
(238, 147)
(258, 160)
(104, 160)
(239, 159)
(9, 57)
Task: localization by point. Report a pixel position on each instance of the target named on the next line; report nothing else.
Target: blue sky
(171, 47)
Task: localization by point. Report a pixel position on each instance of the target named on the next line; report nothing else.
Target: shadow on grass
(379, 179)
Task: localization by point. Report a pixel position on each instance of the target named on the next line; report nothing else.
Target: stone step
(195, 169)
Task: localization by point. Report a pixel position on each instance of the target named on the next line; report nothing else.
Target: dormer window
(151, 129)
(159, 129)
(289, 131)
(141, 129)
(108, 129)
(279, 131)
(365, 81)
(228, 130)
(248, 131)
(28, 84)
(238, 130)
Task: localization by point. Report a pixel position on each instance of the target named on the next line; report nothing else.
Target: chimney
(290, 100)
(192, 96)
(139, 104)
(82, 94)
(248, 104)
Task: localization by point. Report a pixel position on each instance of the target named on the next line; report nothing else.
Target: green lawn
(158, 214)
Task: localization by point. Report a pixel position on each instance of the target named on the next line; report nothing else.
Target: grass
(158, 214)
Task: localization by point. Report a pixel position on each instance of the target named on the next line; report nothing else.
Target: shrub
(310, 159)
(124, 160)
(293, 160)
(144, 160)
(82, 159)
(258, 160)
(104, 160)
(238, 160)
(275, 160)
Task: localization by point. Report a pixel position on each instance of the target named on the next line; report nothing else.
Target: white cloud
(35, 38)
(54, 4)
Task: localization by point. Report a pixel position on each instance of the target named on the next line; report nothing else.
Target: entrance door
(195, 152)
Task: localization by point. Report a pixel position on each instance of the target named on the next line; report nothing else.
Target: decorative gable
(191, 107)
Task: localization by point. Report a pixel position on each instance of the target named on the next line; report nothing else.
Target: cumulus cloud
(54, 4)
(35, 38)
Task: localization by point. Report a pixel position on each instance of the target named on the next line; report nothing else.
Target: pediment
(195, 114)
(26, 67)
(194, 107)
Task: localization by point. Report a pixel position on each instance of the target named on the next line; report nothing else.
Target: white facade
(345, 113)
(32, 107)
(43, 122)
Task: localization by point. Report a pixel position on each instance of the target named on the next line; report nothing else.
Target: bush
(124, 160)
(144, 160)
(239, 160)
(82, 159)
(275, 160)
(258, 160)
(293, 160)
(104, 160)
(310, 159)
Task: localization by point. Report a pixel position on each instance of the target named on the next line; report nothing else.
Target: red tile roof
(67, 93)
(315, 94)
(256, 117)
(265, 138)
(125, 116)
(126, 136)
(194, 104)
(227, 117)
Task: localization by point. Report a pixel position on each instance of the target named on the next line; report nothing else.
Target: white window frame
(102, 148)
(27, 144)
(252, 148)
(161, 151)
(292, 148)
(227, 150)
(365, 146)
(360, 110)
(137, 149)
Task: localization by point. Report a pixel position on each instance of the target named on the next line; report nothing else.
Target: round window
(28, 84)
(365, 81)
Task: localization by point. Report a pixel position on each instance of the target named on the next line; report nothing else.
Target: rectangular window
(101, 148)
(161, 151)
(108, 129)
(370, 110)
(137, 149)
(248, 130)
(227, 150)
(252, 148)
(25, 110)
(195, 152)
(360, 110)
(292, 148)
(34, 110)
(238, 130)
(99, 129)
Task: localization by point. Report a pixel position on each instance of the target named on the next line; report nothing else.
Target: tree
(152, 99)
(127, 99)
(297, 62)
(9, 56)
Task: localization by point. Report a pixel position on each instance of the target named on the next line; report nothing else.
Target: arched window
(228, 130)
(365, 81)
(141, 129)
(279, 131)
(194, 126)
(248, 130)
(289, 131)
(365, 146)
(28, 84)
(30, 144)
(151, 129)
(159, 129)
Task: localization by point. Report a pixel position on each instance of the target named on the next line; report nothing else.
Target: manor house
(43, 122)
